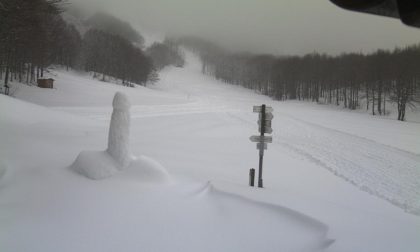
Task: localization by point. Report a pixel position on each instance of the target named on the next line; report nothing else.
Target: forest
(165, 54)
(377, 78)
(33, 36)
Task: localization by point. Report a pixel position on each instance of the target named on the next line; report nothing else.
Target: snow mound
(100, 165)
(147, 170)
(95, 164)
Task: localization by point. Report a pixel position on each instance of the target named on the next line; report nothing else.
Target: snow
(147, 170)
(95, 164)
(100, 165)
(198, 129)
(119, 131)
(386, 172)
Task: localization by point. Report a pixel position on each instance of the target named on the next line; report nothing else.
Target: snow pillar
(119, 130)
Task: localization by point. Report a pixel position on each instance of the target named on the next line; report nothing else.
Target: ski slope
(335, 180)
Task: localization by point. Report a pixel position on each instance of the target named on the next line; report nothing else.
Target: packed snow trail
(387, 172)
(142, 111)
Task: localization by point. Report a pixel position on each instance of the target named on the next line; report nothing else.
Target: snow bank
(100, 165)
(95, 164)
(147, 170)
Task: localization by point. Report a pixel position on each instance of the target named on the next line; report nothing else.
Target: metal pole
(251, 177)
(260, 180)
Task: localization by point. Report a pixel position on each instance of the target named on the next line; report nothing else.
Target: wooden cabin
(46, 83)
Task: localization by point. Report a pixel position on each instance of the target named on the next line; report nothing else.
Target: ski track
(142, 111)
(386, 172)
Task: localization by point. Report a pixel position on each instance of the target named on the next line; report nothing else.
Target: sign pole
(260, 180)
(264, 125)
(251, 176)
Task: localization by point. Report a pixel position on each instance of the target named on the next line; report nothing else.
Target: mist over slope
(113, 25)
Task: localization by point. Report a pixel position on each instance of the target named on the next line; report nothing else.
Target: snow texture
(148, 170)
(119, 131)
(385, 172)
(95, 164)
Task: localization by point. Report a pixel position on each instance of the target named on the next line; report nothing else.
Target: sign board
(268, 116)
(261, 146)
(267, 123)
(257, 109)
(261, 139)
(267, 130)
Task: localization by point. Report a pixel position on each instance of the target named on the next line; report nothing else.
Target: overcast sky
(282, 27)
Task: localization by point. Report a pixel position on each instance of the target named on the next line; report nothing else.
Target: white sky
(281, 27)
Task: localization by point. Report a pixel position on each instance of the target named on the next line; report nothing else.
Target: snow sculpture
(117, 157)
(119, 131)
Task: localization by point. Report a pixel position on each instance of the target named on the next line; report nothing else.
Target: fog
(282, 27)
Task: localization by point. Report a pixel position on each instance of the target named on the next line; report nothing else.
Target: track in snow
(141, 111)
(389, 173)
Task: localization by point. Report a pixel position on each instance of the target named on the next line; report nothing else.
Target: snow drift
(95, 164)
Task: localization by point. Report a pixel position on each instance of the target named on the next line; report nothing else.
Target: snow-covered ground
(335, 180)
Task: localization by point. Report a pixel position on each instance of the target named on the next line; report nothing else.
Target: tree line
(112, 55)
(166, 54)
(351, 80)
(33, 36)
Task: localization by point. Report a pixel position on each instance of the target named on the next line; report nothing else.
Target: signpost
(264, 127)
(258, 109)
(267, 130)
(261, 146)
(258, 139)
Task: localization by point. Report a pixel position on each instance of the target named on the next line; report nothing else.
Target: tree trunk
(379, 98)
(373, 102)
(6, 78)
